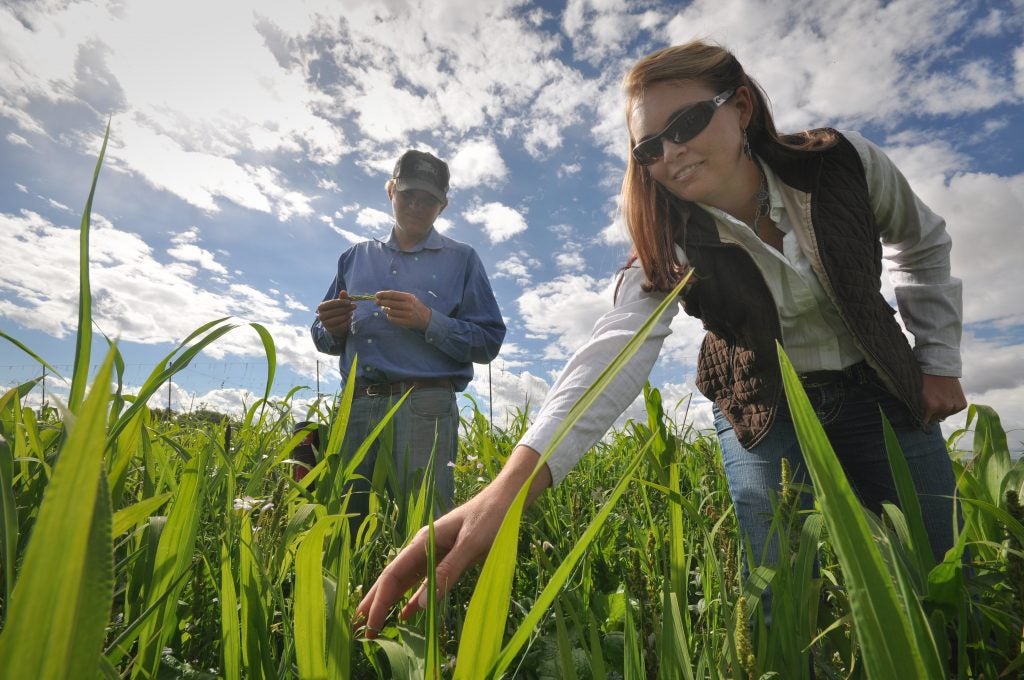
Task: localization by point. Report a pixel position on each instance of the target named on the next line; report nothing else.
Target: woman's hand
(943, 396)
(461, 538)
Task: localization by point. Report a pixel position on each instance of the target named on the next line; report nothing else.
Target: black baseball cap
(422, 170)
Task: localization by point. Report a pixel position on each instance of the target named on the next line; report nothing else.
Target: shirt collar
(433, 241)
(775, 205)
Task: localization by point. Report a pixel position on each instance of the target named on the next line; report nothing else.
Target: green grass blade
(310, 607)
(270, 350)
(173, 559)
(9, 532)
(339, 626)
(891, 647)
(135, 514)
(633, 666)
(160, 376)
(230, 629)
(564, 570)
(83, 343)
(920, 547)
(32, 354)
(61, 603)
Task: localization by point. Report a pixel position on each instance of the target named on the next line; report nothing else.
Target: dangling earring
(746, 146)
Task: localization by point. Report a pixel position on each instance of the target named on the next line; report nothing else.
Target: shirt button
(394, 271)
(417, 258)
(376, 313)
(369, 341)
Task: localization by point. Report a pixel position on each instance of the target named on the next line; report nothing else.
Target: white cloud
(603, 28)
(477, 162)
(564, 310)
(499, 221)
(183, 114)
(377, 220)
(1018, 64)
(186, 250)
(17, 139)
(984, 231)
(519, 267)
(849, 61)
(571, 259)
(569, 169)
(136, 297)
(616, 233)
(443, 224)
(349, 236)
(194, 176)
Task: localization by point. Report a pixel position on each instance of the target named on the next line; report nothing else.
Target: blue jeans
(848, 409)
(428, 415)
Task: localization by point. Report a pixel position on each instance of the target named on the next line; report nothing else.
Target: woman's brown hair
(656, 221)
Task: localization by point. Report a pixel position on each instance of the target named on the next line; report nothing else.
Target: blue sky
(250, 143)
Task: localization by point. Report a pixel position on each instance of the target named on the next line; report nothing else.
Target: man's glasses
(418, 197)
(683, 127)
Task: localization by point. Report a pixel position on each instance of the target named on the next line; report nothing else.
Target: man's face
(415, 211)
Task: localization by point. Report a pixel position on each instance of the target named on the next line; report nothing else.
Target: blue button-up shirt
(445, 275)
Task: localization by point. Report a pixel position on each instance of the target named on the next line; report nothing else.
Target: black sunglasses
(683, 127)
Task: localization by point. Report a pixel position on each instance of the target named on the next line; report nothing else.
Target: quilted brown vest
(738, 367)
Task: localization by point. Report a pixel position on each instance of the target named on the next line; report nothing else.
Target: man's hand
(943, 397)
(336, 315)
(404, 309)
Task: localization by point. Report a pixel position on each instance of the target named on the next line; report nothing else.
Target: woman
(784, 235)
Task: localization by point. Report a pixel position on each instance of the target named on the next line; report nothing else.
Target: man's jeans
(429, 414)
(849, 412)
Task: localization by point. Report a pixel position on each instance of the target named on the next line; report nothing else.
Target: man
(432, 315)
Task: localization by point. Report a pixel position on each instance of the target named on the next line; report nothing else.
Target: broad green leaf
(230, 629)
(891, 647)
(135, 514)
(173, 559)
(61, 603)
(310, 608)
(920, 547)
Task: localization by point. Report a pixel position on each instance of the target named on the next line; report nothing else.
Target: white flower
(245, 503)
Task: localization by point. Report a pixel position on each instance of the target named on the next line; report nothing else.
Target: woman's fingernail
(421, 600)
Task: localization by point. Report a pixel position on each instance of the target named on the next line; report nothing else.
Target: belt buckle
(377, 390)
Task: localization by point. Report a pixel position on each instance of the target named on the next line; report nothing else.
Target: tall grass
(138, 547)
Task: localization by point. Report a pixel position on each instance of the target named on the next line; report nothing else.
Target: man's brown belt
(399, 388)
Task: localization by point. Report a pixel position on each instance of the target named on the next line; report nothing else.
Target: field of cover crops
(137, 546)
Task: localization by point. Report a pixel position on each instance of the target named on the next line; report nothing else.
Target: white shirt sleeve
(917, 245)
(611, 333)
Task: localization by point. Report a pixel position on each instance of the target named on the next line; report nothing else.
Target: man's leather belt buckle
(391, 389)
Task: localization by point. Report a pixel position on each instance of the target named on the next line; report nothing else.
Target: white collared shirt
(915, 243)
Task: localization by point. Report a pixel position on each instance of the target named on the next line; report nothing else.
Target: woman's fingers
(407, 569)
